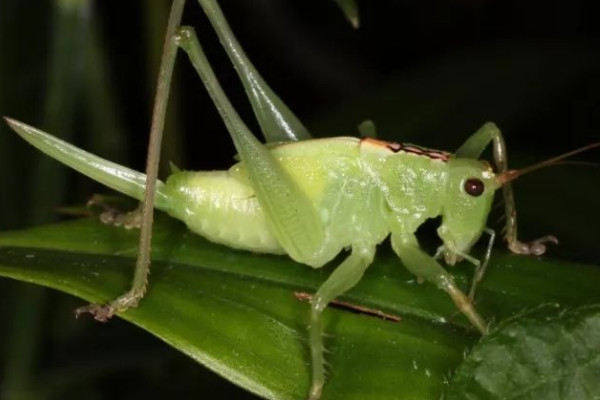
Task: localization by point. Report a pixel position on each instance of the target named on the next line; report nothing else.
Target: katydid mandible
(309, 198)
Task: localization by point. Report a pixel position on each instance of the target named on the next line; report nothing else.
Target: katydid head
(469, 194)
(468, 198)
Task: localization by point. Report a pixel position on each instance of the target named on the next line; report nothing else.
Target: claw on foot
(128, 220)
(100, 312)
(536, 247)
(104, 312)
(113, 216)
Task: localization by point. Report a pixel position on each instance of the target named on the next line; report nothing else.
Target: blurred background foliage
(429, 72)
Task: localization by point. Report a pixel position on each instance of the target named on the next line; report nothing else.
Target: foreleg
(473, 148)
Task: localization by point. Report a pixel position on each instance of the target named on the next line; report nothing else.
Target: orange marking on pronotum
(409, 148)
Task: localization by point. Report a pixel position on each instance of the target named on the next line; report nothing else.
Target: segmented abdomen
(222, 209)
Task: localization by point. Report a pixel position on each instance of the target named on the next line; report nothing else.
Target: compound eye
(474, 187)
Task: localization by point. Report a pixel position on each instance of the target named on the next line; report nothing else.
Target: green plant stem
(48, 188)
(105, 125)
(60, 103)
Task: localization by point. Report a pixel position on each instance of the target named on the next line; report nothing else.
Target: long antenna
(513, 174)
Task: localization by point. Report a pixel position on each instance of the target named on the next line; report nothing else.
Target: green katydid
(309, 199)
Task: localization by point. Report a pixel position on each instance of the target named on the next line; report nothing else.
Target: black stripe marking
(410, 148)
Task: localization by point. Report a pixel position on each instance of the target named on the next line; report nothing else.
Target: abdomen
(222, 209)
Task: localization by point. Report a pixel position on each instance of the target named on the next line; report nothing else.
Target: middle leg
(342, 279)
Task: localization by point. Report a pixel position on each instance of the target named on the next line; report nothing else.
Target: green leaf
(236, 313)
(545, 354)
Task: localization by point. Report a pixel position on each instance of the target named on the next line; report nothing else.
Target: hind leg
(103, 312)
(277, 122)
(292, 217)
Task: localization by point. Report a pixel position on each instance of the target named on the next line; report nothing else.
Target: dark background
(428, 72)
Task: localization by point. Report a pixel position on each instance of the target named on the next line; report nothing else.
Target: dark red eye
(474, 187)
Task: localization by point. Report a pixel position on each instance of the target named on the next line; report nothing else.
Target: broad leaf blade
(245, 325)
(235, 311)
